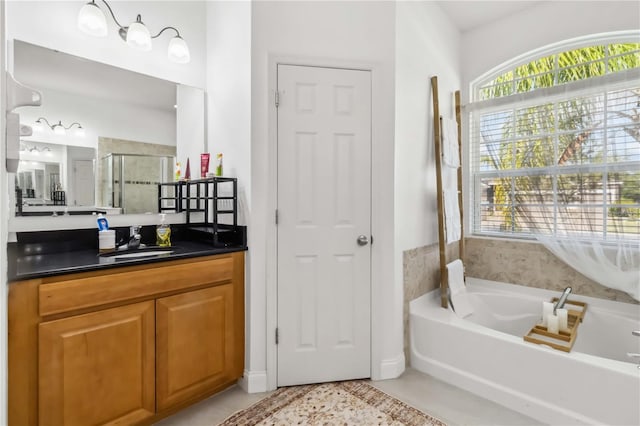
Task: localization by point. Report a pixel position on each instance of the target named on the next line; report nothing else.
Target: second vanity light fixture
(92, 21)
(59, 128)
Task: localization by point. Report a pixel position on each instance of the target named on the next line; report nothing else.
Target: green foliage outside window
(586, 130)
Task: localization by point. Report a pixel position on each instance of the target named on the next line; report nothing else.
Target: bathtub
(485, 353)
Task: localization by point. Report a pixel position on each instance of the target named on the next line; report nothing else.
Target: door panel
(83, 183)
(195, 343)
(324, 204)
(98, 368)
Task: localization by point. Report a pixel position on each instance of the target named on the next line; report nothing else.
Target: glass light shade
(59, 130)
(37, 127)
(179, 51)
(138, 36)
(80, 132)
(92, 21)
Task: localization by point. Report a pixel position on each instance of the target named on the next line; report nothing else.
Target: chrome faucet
(560, 303)
(134, 237)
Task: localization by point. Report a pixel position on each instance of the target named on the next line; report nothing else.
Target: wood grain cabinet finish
(194, 343)
(127, 345)
(98, 368)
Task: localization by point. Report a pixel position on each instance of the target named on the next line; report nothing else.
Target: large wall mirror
(119, 140)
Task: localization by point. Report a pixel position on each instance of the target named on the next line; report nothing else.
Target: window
(555, 145)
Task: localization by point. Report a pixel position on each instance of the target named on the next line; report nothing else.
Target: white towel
(453, 227)
(457, 289)
(450, 153)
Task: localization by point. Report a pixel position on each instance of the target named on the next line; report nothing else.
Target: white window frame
(603, 84)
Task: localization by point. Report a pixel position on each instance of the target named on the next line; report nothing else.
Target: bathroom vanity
(122, 342)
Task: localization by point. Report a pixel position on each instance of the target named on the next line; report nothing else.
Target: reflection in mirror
(54, 175)
(125, 115)
(129, 173)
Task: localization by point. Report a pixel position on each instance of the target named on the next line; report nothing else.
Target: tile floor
(448, 403)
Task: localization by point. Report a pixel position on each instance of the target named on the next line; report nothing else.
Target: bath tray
(563, 340)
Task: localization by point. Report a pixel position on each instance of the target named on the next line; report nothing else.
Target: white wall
(33, 22)
(229, 93)
(427, 44)
(322, 33)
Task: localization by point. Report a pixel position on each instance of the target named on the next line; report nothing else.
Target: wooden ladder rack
(437, 129)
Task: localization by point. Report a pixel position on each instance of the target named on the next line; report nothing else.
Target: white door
(324, 206)
(83, 183)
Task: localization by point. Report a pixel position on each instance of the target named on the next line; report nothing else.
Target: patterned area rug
(341, 403)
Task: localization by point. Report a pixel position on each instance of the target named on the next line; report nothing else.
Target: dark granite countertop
(51, 253)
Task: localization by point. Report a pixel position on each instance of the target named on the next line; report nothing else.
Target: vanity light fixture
(35, 150)
(91, 21)
(59, 128)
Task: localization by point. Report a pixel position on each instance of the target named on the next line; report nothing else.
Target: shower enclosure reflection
(130, 181)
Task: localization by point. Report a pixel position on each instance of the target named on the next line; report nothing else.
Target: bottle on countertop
(219, 165)
(178, 175)
(163, 233)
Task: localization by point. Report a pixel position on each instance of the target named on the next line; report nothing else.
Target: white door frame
(377, 250)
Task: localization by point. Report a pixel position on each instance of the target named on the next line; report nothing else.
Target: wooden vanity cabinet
(126, 345)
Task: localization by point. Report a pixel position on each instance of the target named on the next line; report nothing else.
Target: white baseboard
(253, 381)
(391, 368)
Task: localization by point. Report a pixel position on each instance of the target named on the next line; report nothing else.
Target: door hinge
(277, 336)
(276, 216)
(277, 99)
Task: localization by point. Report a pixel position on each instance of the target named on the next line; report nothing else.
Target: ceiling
(468, 15)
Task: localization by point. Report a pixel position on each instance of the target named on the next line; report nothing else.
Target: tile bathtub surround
(421, 274)
(530, 264)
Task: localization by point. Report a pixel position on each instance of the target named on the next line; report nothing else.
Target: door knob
(362, 240)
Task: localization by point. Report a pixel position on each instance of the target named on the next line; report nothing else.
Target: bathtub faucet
(560, 303)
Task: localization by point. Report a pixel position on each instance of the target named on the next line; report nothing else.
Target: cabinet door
(98, 368)
(194, 344)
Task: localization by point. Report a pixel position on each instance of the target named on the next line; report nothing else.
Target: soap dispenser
(163, 233)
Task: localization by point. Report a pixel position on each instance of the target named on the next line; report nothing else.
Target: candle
(552, 323)
(547, 309)
(563, 320)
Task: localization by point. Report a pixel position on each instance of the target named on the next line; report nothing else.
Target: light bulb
(138, 36)
(80, 132)
(37, 127)
(92, 21)
(178, 51)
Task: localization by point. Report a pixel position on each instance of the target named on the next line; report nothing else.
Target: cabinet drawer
(81, 293)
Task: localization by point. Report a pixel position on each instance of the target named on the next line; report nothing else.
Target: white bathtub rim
(631, 310)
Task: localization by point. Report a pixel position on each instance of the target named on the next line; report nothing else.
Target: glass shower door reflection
(131, 181)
